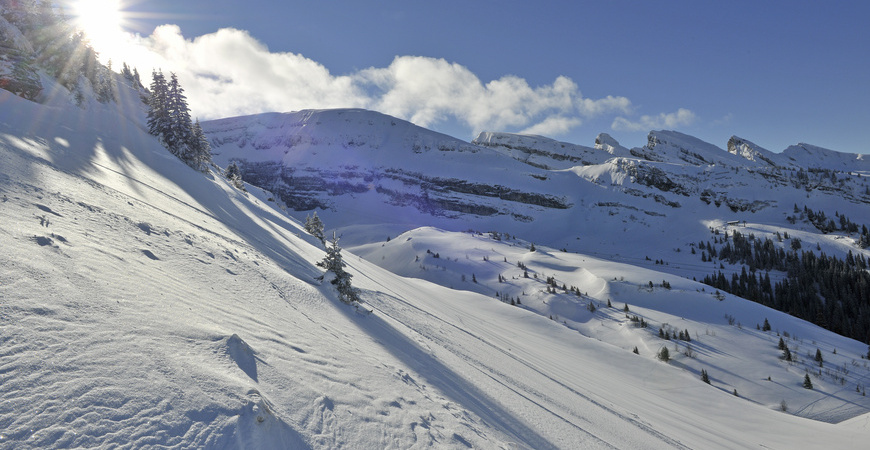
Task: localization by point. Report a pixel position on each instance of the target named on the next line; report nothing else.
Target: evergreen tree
(704, 377)
(158, 107)
(169, 120)
(766, 326)
(781, 344)
(198, 154)
(664, 354)
(234, 174)
(808, 384)
(786, 354)
(819, 358)
(334, 263)
(125, 71)
(314, 226)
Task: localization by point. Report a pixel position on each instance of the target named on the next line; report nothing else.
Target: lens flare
(101, 21)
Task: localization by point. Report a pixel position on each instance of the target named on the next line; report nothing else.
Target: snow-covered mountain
(148, 305)
(364, 169)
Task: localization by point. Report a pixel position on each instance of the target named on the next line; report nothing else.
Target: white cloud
(553, 126)
(231, 73)
(670, 120)
(726, 119)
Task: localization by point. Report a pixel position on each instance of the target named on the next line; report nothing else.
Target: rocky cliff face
(319, 159)
(362, 166)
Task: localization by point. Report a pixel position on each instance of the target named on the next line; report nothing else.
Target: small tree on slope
(333, 262)
(234, 174)
(314, 226)
(664, 354)
(808, 384)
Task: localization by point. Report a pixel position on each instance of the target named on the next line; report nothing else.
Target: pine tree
(314, 226)
(786, 354)
(781, 344)
(334, 263)
(819, 358)
(180, 126)
(198, 149)
(169, 120)
(234, 174)
(664, 354)
(704, 377)
(766, 326)
(158, 108)
(808, 384)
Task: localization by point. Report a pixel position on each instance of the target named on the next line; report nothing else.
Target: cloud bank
(229, 73)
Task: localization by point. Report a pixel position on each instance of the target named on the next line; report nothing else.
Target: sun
(101, 22)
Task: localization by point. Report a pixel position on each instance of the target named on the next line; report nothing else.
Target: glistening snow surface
(146, 305)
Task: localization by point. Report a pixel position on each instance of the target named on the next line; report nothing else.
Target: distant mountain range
(362, 167)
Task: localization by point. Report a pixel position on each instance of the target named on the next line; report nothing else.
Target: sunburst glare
(101, 21)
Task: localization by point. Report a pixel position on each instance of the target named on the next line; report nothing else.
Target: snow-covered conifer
(314, 226)
(234, 174)
(334, 263)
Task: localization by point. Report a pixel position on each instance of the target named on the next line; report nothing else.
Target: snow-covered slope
(807, 155)
(146, 305)
(574, 290)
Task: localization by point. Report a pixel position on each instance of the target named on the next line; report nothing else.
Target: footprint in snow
(243, 355)
(43, 241)
(47, 209)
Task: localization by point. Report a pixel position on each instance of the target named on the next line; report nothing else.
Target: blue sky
(774, 72)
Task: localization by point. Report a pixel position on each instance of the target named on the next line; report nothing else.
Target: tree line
(831, 292)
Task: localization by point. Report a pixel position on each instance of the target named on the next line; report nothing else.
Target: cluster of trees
(53, 45)
(169, 120)
(683, 335)
(824, 223)
(830, 292)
